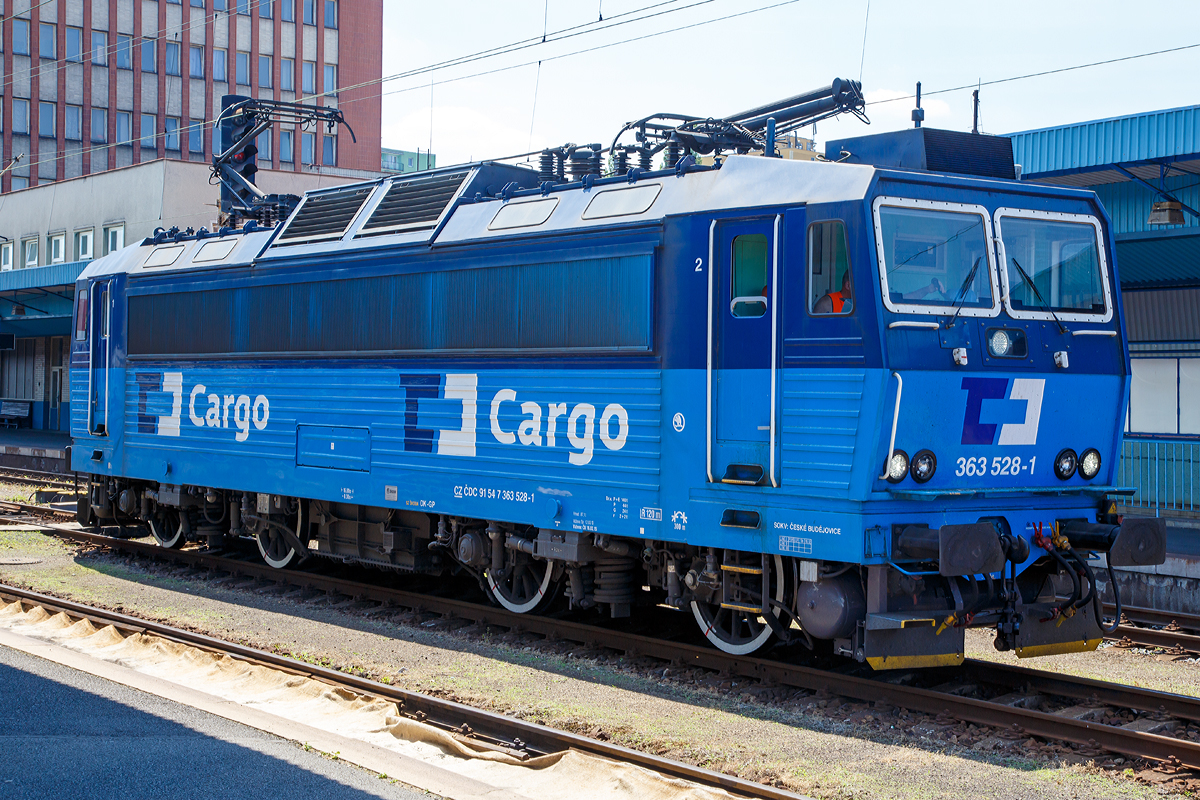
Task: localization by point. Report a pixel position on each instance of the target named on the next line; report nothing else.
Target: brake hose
(1078, 591)
(1112, 581)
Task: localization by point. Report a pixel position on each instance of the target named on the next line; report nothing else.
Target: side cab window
(830, 288)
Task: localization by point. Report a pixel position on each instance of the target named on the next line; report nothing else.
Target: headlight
(999, 343)
(897, 467)
(1065, 463)
(1007, 343)
(924, 464)
(1089, 463)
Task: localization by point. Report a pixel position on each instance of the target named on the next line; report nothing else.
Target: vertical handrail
(712, 232)
(774, 337)
(895, 419)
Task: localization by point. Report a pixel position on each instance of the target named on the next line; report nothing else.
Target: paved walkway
(66, 733)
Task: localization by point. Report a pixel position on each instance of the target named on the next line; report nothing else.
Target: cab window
(829, 284)
(81, 316)
(751, 253)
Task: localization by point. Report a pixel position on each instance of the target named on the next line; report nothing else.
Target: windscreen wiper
(962, 292)
(1029, 282)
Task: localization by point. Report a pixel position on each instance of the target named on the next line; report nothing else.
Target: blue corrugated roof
(1167, 134)
(33, 277)
(1159, 262)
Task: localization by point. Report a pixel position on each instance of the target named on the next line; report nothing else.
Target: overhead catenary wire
(412, 73)
(555, 36)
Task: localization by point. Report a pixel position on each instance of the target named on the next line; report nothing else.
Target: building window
(263, 142)
(243, 68)
(330, 86)
(30, 246)
(124, 52)
(46, 40)
(99, 48)
(172, 58)
(148, 55)
(19, 182)
(220, 65)
(20, 116)
(310, 12)
(331, 13)
(20, 44)
(287, 10)
(196, 136)
(287, 74)
(285, 146)
(220, 5)
(83, 245)
(124, 127)
(176, 2)
(307, 145)
(196, 61)
(74, 44)
(197, 3)
(147, 131)
(329, 151)
(171, 132)
(6, 251)
(99, 125)
(264, 9)
(308, 82)
(46, 114)
(264, 72)
(74, 123)
(56, 247)
(114, 238)
(243, 7)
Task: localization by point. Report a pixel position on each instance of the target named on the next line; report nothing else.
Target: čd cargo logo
(1002, 411)
(164, 393)
(440, 415)
(441, 412)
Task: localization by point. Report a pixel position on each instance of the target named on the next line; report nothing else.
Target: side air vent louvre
(324, 216)
(413, 204)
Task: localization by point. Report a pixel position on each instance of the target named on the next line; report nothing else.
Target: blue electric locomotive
(873, 400)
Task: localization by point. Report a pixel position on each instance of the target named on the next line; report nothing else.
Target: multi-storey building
(401, 161)
(91, 85)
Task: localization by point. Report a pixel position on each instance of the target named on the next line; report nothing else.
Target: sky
(731, 55)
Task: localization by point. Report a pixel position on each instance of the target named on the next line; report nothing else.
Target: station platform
(26, 448)
(1175, 584)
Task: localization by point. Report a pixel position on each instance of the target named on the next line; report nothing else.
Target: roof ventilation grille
(324, 216)
(413, 204)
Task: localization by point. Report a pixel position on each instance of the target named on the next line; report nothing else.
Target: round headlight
(1089, 463)
(999, 343)
(1065, 463)
(923, 465)
(897, 467)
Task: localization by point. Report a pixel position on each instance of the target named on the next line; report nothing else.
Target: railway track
(481, 730)
(53, 480)
(1148, 627)
(1020, 702)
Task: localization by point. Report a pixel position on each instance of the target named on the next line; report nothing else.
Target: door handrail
(712, 232)
(750, 298)
(895, 418)
(774, 338)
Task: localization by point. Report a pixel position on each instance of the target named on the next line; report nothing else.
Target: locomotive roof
(487, 201)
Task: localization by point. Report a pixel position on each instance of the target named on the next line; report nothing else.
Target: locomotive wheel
(167, 529)
(735, 632)
(527, 586)
(274, 547)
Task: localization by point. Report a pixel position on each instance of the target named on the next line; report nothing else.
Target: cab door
(100, 350)
(743, 348)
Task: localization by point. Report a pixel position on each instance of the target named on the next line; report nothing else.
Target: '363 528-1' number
(1000, 465)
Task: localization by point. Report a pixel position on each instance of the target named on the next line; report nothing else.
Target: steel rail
(981, 712)
(447, 714)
